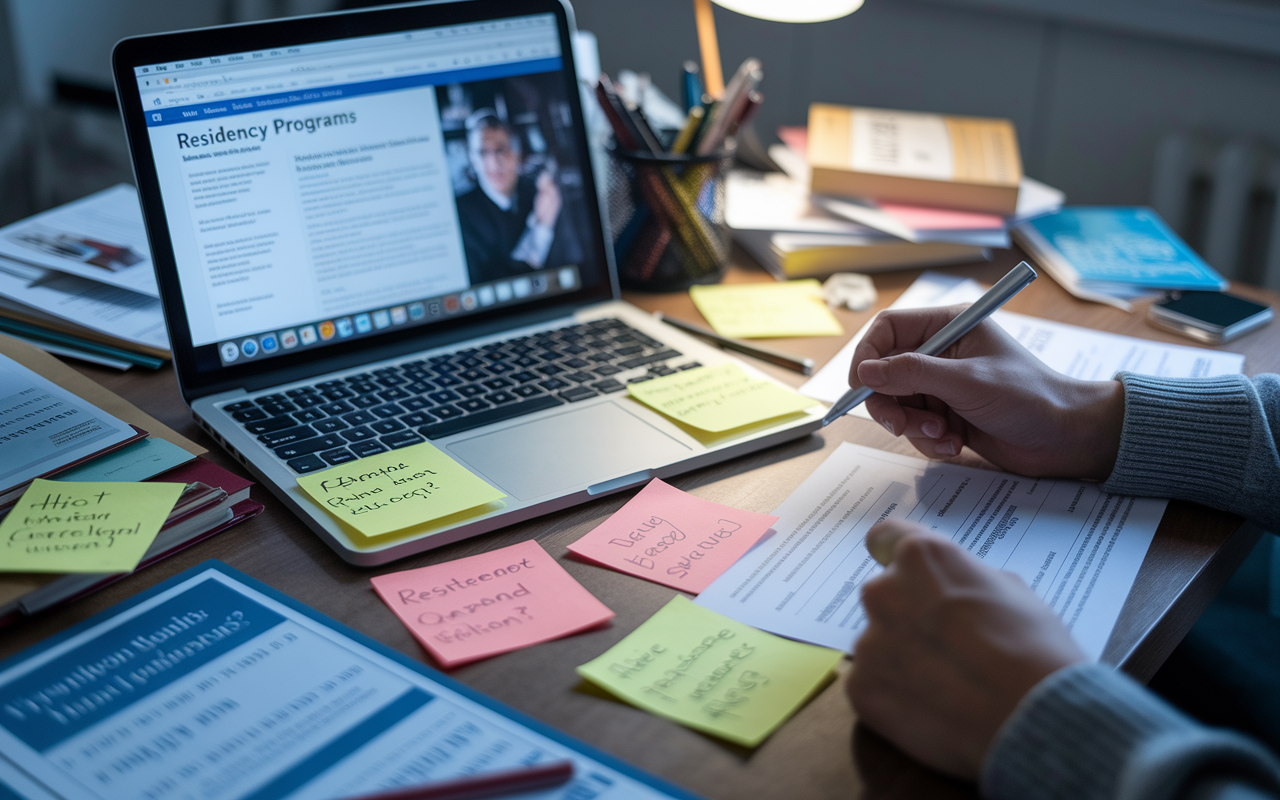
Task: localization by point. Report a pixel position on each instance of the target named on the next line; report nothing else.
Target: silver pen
(1018, 279)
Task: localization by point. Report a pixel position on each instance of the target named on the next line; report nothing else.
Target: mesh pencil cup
(666, 214)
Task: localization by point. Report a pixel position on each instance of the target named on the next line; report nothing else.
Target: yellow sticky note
(761, 310)
(62, 526)
(717, 399)
(692, 665)
(394, 490)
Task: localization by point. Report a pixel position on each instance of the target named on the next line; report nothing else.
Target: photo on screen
(516, 174)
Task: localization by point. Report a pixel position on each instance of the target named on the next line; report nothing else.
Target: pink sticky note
(923, 218)
(673, 538)
(480, 606)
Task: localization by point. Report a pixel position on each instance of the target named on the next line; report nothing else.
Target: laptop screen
(325, 192)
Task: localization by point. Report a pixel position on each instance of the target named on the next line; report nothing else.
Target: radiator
(1221, 198)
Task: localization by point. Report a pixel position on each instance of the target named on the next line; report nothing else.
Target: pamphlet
(213, 685)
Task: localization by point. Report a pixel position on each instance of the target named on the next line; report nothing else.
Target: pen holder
(666, 214)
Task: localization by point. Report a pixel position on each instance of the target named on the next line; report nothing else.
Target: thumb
(883, 539)
(948, 379)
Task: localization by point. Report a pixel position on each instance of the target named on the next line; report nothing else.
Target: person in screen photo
(511, 221)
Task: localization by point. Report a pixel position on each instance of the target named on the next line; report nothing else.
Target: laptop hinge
(301, 372)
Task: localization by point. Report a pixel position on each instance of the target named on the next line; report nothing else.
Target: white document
(210, 688)
(100, 237)
(43, 427)
(1077, 547)
(1036, 198)
(126, 315)
(773, 201)
(1069, 349)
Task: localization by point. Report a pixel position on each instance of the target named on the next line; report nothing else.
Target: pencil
(486, 784)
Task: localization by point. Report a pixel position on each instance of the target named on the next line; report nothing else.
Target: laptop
(378, 228)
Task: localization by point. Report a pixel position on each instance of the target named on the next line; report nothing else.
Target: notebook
(380, 228)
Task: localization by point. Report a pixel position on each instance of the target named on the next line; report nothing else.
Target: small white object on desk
(851, 290)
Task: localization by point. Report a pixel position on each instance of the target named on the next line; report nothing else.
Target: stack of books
(77, 281)
(870, 189)
(58, 425)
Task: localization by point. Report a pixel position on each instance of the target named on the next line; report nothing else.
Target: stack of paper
(79, 456)
(775, 220)
(77, 280)
(793, 232)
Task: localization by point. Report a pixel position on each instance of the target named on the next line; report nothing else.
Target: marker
(1018, 279)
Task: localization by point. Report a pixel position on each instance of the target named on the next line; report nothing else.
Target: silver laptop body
(379, 228)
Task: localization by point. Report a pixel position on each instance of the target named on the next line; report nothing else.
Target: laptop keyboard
(336, 421)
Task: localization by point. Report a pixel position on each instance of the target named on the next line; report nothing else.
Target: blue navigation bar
(267, 102)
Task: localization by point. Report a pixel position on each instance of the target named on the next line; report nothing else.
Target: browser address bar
(508, 48)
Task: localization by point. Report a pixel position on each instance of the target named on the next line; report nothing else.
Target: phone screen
(1215, 308)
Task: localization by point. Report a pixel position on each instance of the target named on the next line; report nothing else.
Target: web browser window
(339, 189)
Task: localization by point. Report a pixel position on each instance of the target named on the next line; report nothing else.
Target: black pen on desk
(1015, 281)
(486, 784)
(802, 365)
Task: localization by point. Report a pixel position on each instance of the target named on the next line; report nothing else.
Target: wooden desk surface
(818, 753)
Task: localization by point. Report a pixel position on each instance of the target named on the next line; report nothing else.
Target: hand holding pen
(988, 392)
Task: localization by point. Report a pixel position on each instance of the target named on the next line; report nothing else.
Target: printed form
(1077, 547)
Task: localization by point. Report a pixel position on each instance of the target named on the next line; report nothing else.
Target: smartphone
(1213, 317)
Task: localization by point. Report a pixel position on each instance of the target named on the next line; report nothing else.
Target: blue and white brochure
(1108, 253)
(214, 686)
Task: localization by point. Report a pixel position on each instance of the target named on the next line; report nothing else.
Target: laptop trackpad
(581, 446)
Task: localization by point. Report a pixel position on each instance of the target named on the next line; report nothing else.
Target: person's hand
(988, 392)
(547, 202)
(950, 648)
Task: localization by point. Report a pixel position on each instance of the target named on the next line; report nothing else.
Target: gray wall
(1090, 91)
(1089, 101)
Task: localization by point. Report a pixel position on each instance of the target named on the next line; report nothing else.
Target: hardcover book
(969, 163)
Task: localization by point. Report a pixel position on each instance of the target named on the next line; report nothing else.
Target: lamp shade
(792, 10)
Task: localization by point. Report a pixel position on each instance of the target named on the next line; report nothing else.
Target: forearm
(1211, 441)
(1087, 732)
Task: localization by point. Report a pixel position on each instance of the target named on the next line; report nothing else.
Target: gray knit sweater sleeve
(1208, 440)
(1089, 733)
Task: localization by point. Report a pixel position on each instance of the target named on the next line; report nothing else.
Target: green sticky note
(392, 491)
(67, 526)
(696, 667)
(762, 310)
(717, 399)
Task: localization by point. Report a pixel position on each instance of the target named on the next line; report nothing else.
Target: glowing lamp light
(792, 10)
(775, 10)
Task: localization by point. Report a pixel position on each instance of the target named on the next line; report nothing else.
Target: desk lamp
(775, 10)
